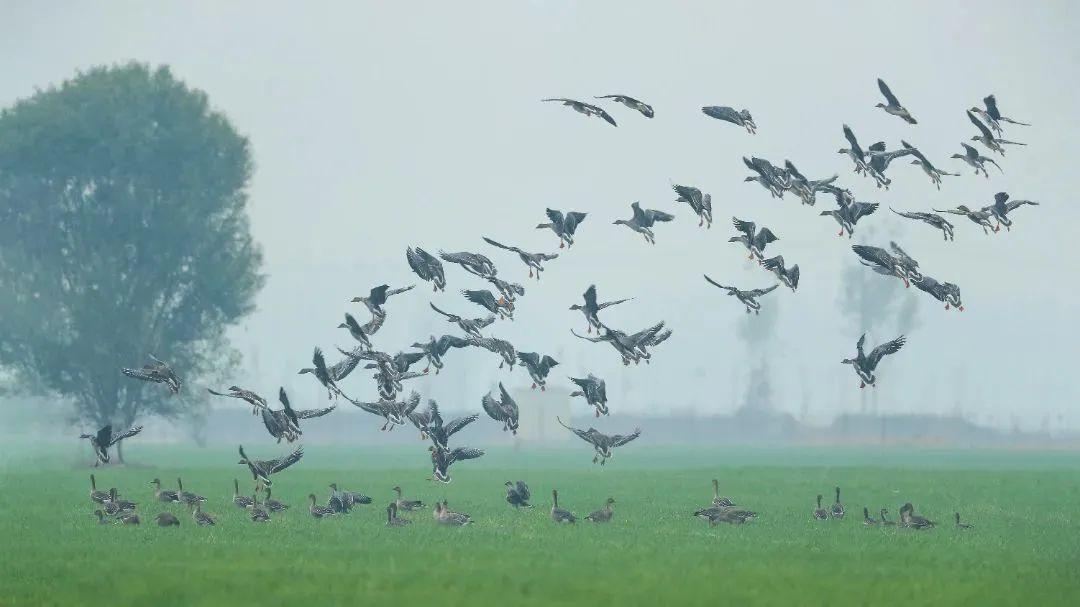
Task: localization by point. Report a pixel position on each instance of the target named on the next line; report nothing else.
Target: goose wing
(481, 297)
(119, 436)
(991, 107)
(619, 440)
(915, 152)
(523, 490)
(879, 352)
(546, 363)
(420, 261)
(281, 463)
(875, 255)
(979, 125)
(746, 227)
(452, 317)
(893, 101)
(764, 237)
(590, 298)
(589, 436)
(288, 410)
(654, 215)
(463, 453)
(1011, 205)
(313, 413)
(760, 292)
(858, 210)
(716, 284)
(607, 304)
(573, 220)
(457, 424)
(449, 341)
(774, 263)
(911, 214)
(592, 339)
(500, 245)
(970, 152)
(493, 408)
(854, 143)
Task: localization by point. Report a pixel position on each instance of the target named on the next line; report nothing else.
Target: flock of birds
(391, 371)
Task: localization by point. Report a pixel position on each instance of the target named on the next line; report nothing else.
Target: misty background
(384, 125)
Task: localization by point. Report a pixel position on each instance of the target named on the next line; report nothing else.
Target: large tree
(123, 232)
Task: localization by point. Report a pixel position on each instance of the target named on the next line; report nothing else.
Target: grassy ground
(1025, 547)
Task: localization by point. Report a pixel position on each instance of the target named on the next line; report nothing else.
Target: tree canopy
(123, 232)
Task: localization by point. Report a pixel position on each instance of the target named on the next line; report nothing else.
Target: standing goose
(563, 224)
(128, 518)
(518, 494)
(1002, 207)
(718, 500)
(931, 171)
(893, 106)
(933, 219)
(506, 350)
(158, 372)
(643, 220)
(987, 138)
(976, 161)
(587, 109)
(261, 470)
(603, 444)
(908, 518)
(403, 504)
(748, 298)
(392, 519)
(594, 390)
(257, 402)
(960, 525)
(427, 267)
(96, 496)
(945, 292)
(316, 510)
(166, 519)
(442, 459)
(504, 410)
(534, 261)
(560, 515)
(471, 326)
(865, 365)
(884, 521)
(510, 290)
(446, 516)
(538, 367)
(500, 306)
(604, 514)
(115, 505)
(101, 518)
(473, 263)
(753, 239)
(257, 513)
(187, 497)
(377, 296)
(591, 308)
(867, 519)
(645, 109)
(820, 513)
(700, 203)
(163, 495)
(837, 510)
(435, 349)
(992, 115)
(788, 276)
(241, 501)
(272, 504)
(201, 518)
(105, 438)
(730, 114)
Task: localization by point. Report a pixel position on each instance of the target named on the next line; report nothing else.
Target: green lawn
(1025, 547)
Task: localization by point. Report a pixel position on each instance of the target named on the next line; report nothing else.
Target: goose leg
(533, 386)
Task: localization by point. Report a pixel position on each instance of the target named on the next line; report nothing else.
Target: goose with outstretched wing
(865, 365)
(602, 443)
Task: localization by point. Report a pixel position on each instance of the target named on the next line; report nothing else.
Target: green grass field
(1025, 547)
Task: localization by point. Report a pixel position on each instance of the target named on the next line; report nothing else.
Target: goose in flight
(992, 115)
(945, 292)
(563, 224)
(603, 444)
(427, 267)
(104, 438)
(436, 429)
(882, 262)
(378, 296)
(906, 262)
(879, 158)
(587, 109)
(359, 333)
(933, 172)
(262, 469)
(503, 348)
(857, 155)
(771, 177)
(616, 339)
(893, 107)
(788, 276)
(518, 494)
(503, 410)
(804, 188)
(847, 214)
(473, 263)
(394, 412)
(329, 376)
(730, 114)
(748, 298)
(510, 290)
(933, 219)
(865, 365)
(471, 326)
(257, 402)
(538, 367)
(1003, 206)
(500, 306)
(980, 217)
(753, 239)
(535, 261)
(643, 220)
(591, 309)
(987, 138)
(594, 390)
(700, 203)
(435, 349)
(442, 459)
(976, 160)
(282, 424)
(645, 109)
(400, 363)
(158, 372)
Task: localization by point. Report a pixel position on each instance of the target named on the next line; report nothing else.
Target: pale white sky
(379, 125)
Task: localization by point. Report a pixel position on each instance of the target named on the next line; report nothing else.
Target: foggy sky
(380, 126)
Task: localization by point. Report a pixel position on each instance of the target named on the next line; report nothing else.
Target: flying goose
(643, 221)
(404, 504)
(893, 106)
(855, 152)
(879, 158)
(822, 185)
(748, 298)
(378, 296)
(604, 514)
(435, 349)
(820, 513)
(518, 494)
(163, 495)
(440, 432)
(473, 263)
(882, 262)
(427, 267)
(945, 292)
(96, 496)
(394, 412)
(504, 410)
(538, 367)
(186, 497)
(980, 218)
(506, 351)
(500, 306)
(591, 308)
(908, 518)
(594, 390)
(617, 339)
(630, 347)
(158, 372)
(399, 364)
(976, 160)
(645, 109)
(282, 424)
(509, 290)
(770, 177)
(837, 510)
(257, 402)
(563, 224)
(104, 438)
(470, 326)
(167, 519)
(392, 519)
(987, 138)
(587, 109)
(1002, 207)
(442, 459)
(992, 116)
(560, 515)
(359, 333)
(602, 443)
(700, 203)
(445, 516)
(865, 365)
(329, 376)
(786, 275)
(933, 219)
(729, 114)
(906, 262)
(933, 172)
(262, 469)
(534, 261)
(752, 239)
(240, 501)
